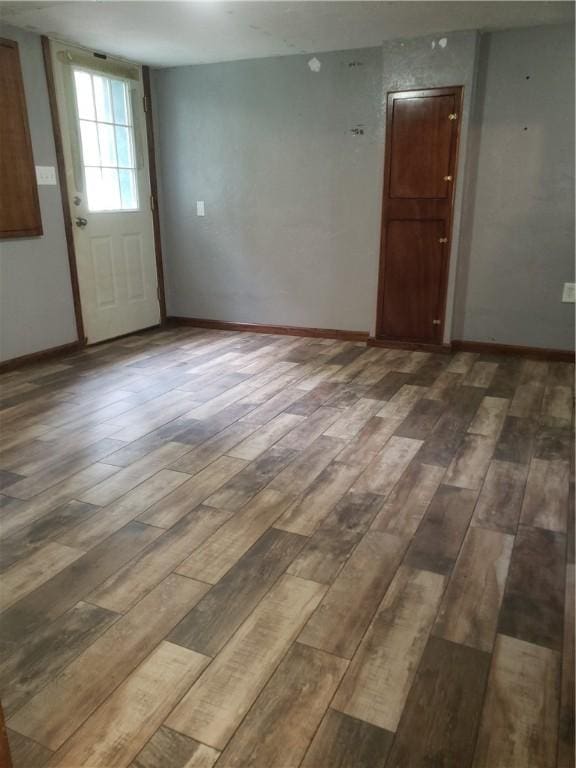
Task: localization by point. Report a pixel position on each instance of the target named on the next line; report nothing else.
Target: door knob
(442, 239)
(447, 178)
(435, 322)
(81, 222)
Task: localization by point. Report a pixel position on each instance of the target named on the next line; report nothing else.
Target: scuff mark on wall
(314, 64)
(442, 43)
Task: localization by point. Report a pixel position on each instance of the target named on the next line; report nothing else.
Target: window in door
(107, 139)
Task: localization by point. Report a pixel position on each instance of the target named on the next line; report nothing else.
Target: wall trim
(374, 341)
(480, 347)
(283, 330)
(138, 332)
(539, 353)
(40, 356)
(457, 345)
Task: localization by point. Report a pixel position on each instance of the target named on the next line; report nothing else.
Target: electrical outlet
(45, 175)
(569, 293)
(200, 208)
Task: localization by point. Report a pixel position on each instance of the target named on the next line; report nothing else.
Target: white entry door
(101, 110)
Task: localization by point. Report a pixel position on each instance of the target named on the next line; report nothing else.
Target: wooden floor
(249, 550)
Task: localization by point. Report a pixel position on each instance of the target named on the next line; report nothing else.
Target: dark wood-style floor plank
(441, 446)
(516, 441)
(115, 734)
(566, 747)
(169, 749)
(73, 583)
(354, 512)
(533, 605)
(500, 499)
(344, 614)
(324, 554)
(437, 541)
(545, 502)
(288, 711)
(8, 478)
(124, 588)
(469, 611)
(48, 651)
(404, 509)
(238, 491)
(214, 707)
(344, 742)
(215, 618)
(220, 552)
(442, 713)
(382, 671)
(520, 717)
(92, 676)
(31, 538)
(26, 753)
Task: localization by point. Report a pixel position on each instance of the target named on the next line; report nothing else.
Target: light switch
(200, 208)
(569, 293)
(45, 175)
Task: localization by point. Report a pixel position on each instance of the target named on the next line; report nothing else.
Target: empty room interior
(287, 384)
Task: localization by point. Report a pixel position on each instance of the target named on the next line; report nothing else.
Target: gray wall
(436, 61)
(36, 308)
(291, 231)
(518, 236)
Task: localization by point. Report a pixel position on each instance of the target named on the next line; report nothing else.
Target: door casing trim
(57, 133)
(154, 191)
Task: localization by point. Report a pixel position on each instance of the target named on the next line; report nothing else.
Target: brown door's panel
(412, 279)
(19, 206)
(420, 149)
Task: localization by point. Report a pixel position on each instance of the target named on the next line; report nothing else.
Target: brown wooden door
(419, 177)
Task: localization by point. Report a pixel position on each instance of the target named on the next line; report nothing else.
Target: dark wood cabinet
(422, 129)
(19, 204)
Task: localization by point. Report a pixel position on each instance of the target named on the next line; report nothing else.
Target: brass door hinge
(145, 103)
(152, 203)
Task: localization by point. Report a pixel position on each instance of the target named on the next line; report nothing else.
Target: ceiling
(165, 34)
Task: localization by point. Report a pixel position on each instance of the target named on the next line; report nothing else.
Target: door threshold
(375, 341)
